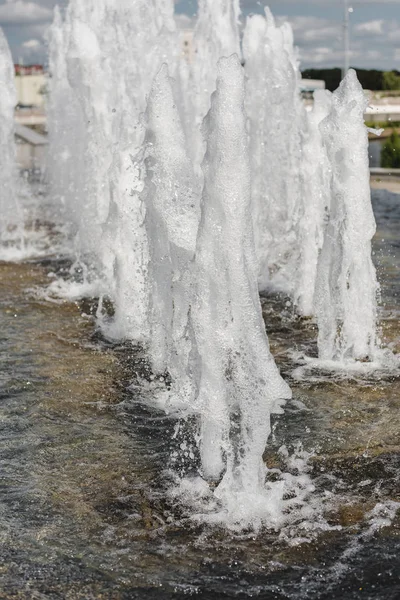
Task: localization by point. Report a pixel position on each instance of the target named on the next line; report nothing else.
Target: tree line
(370, 79)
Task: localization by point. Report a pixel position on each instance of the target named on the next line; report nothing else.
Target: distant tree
(331, 77)
(391, 80)
(390, 156)
(370, 79)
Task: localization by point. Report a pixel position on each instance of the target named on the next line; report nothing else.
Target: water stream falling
(12, 216)
(182, 190)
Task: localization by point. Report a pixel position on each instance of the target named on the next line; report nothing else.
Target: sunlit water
(85, 461)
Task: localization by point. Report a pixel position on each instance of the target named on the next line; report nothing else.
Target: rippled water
(83, 508)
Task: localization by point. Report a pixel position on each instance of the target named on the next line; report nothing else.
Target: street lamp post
(346, 39)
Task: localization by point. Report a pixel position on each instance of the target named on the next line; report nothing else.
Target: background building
(31, 84)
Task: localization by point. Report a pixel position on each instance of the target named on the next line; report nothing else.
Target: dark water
(83, 510)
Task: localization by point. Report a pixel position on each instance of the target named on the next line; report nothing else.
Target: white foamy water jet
(216, 34)
(89, 79)
(346, 288)
(111, 50)
(12, 239)
(126, 233)
(172, 198)
(276, 117)
(126, 237)
(315, 189)
(65, 163)
(238, 383)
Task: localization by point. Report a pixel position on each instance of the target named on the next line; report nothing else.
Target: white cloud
(394, 32)
(320, 41)
(32, 44)
(309, 30)
(15, 12)
(321, 56)
(372, 55)
(184, 21)
(312, 29)
(370, 27)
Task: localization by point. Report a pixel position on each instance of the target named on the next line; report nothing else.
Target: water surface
(83, 505)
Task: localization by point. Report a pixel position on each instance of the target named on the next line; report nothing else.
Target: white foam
(289, 504)
(13, 193)
(346, 288)
(276, 118)
(172, 197)
(315, 180)
(236, 374)
(216, 34)
(385, 363)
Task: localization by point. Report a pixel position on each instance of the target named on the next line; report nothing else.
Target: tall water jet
(113, 49)
(172, 218)
(12, 217)
(346, 288)
(66, 125)
(238, 383)
(315, 183)
(216, 34)
(90, 77)
(126, 237)
(276, 117)
(126, 233)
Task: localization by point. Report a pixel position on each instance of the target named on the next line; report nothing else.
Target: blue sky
(375, 28)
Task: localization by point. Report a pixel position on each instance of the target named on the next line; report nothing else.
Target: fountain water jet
(237, 374)
(216, 34)
(315, 179)
(65, 174)
(172, 218)
(109, 72)
(276, 117)
(12, 237)
(346, 288)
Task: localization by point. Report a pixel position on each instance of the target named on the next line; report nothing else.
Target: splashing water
(346, 282)
(216, 34)
(172, 218)
(12, 216)
(237, 374)
(276, 114)
(315, 178)
(183, 270)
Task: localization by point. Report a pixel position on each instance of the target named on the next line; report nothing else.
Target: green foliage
(391, 81)
(370, 79)
(382, 124)
(390, 156)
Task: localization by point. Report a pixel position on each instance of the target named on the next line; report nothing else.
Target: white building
(30, 83)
